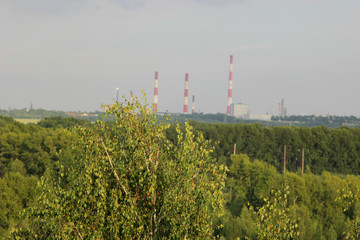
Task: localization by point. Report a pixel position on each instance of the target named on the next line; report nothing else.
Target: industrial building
(240, 110)
(261, 117)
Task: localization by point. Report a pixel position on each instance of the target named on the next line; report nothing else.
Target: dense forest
(42, 114)
(316, 120)
(293, 120)
(335, 150)
(26, 153)
(261, 202)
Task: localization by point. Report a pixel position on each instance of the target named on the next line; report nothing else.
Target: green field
(27, 120)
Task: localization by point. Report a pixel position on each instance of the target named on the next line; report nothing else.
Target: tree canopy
(130, 182)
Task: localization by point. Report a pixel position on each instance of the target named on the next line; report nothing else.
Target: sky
(71, 55)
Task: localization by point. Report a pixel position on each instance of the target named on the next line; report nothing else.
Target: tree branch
(112, 166)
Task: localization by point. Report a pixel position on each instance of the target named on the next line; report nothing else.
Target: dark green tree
(276, 219)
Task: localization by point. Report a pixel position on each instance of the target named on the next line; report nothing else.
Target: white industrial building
(240, 110)
(262, 117)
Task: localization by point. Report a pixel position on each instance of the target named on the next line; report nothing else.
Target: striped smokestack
(186, 93)
(156, 92)
(230, 85)
(193, 105)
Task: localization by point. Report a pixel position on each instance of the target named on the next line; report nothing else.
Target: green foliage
(238, 227)
(313, 120)
(81, 195)
(26, 153)
(16, 193)
(310, 201)
(131, 183)
(29, 114)
(4, 120)
(276, 219)
(349, 198)
(34, 146)
(32, 113)
(333, 150)
(249, 182)
(61, 122)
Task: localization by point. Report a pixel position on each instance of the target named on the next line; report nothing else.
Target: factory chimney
(230, 85)
(193, 105)
(156, 92)
(186, 93)
(281, 109)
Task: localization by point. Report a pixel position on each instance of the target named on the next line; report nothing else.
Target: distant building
(262, 117)
(281, 109)
(81, 114)
(239, 110)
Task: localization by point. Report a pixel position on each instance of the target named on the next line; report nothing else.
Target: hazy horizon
(71, 55)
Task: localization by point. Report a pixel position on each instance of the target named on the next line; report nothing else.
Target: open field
(27, 120)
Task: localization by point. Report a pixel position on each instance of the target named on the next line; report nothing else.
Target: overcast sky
(72, 54)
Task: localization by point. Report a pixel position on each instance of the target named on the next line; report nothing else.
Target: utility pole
(234, 148)
(302, 161)
(117, 94)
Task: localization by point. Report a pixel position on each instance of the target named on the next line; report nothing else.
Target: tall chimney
(156, 92)
(279, 109)
(186, 93)
(230, 85)
(193, 105)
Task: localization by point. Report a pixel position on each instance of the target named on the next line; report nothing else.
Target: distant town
(239, 113)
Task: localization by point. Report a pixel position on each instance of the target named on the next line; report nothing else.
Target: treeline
(32, 113)
(222, 118)
(42, 114)
(321, 204)
(334, 150)
(317, 207)
(293, 120)
(27, 152)
(315, 120)
(60, 122)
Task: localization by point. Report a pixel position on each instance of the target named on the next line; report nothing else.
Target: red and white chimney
(230, 85)
(186, 93)
(156, 92)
